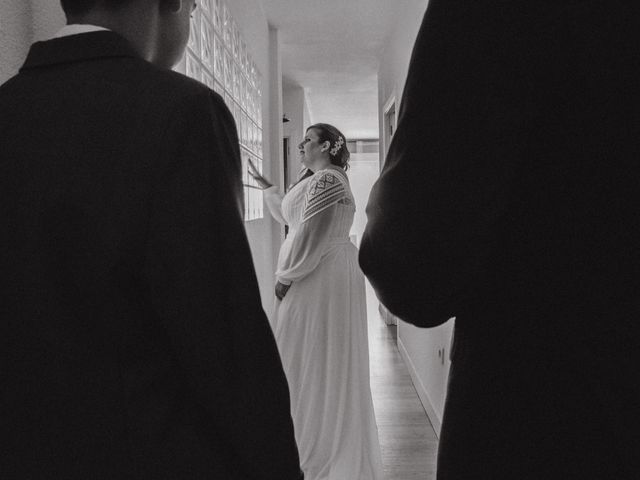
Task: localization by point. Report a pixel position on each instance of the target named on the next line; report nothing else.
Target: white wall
(273, 159)
(294, 107)
(15, 36)
(307, 112)
(22, 23)
(422, 349)
(364, 170)
(48, 18)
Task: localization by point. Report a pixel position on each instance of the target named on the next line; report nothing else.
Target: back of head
(157, 29)
(74, 8)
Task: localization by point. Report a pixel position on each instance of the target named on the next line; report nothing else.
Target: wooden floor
(408, 441)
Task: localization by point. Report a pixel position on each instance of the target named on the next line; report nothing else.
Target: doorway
(390, 121)
(286, 154)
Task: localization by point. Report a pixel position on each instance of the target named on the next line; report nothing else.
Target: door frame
(386, 141)
(390, 104)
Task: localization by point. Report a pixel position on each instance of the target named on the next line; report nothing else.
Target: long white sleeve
(310, 239)
(273, 199)
(309, 243)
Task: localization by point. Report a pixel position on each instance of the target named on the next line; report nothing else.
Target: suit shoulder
(178, 86)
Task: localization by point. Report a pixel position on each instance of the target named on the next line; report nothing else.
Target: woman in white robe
(320, 318)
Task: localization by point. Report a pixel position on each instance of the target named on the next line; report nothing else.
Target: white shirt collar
(75, 29)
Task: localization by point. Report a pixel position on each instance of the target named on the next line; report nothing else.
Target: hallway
(280, 66)
(408, 441)
(132, 315)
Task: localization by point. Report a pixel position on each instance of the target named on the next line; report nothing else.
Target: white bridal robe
(321, 331)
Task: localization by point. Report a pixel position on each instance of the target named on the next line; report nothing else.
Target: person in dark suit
(509, 200)
(133, 340)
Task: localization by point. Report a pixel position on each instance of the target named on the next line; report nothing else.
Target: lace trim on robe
(324, 191)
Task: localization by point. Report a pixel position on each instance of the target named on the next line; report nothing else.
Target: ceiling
(331, 49)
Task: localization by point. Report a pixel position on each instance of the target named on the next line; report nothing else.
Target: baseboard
(434, 418)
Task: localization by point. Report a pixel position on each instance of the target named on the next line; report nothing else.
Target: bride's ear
(325, 146)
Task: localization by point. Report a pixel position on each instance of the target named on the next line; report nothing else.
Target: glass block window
(217, 56)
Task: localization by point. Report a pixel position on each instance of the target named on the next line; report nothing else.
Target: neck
(135, 23)
(320, 164)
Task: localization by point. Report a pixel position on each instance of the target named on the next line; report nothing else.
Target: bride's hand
(281, 290)
(257, 176)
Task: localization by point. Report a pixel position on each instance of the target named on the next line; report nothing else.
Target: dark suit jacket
(134, 344)
(509, 199)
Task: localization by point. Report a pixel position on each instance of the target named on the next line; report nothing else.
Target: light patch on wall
(15, 36)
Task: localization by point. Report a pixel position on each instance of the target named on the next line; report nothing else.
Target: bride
(320, 317)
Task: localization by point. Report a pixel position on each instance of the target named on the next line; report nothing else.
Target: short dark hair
(329, 133)
(81, 7)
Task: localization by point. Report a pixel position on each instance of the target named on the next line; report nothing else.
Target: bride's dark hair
(338, 151)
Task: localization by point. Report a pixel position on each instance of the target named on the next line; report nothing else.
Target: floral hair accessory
(336, 148)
